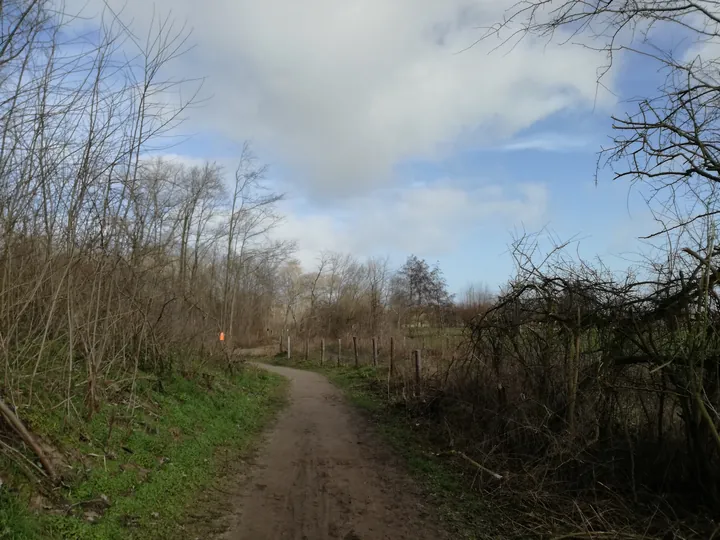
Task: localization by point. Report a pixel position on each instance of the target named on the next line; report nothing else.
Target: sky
(391, 136)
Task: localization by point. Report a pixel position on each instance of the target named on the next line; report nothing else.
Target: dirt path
(323, 475)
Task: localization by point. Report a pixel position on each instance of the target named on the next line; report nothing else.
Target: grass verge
(135, 475)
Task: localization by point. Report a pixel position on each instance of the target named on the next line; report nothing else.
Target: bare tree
(377, 288)
(252, 216)
(421, 290)
(668, 141)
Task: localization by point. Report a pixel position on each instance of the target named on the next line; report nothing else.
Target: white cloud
(341, 92)
(548, 142)
(429, 220)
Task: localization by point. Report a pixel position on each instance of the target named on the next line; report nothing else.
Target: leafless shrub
(583, 381)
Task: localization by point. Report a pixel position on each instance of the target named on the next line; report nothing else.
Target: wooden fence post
(392, 355)
(374, 343)
(339, 349)
(322, 352)
(357, 364)
(418, 366)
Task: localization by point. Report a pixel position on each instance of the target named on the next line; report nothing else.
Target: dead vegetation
(582, 383)
(585, 402)
(117, 265)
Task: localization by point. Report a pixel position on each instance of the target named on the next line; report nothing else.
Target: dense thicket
(114, 260)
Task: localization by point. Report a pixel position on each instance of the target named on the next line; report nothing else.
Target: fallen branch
(467, 458)
(23, 459)
(16, 424)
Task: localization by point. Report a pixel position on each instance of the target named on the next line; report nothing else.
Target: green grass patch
(16, 522)
(139, 467)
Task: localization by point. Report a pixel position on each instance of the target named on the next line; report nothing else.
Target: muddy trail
(322, 474)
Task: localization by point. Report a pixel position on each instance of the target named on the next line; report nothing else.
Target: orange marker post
(222, 336)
